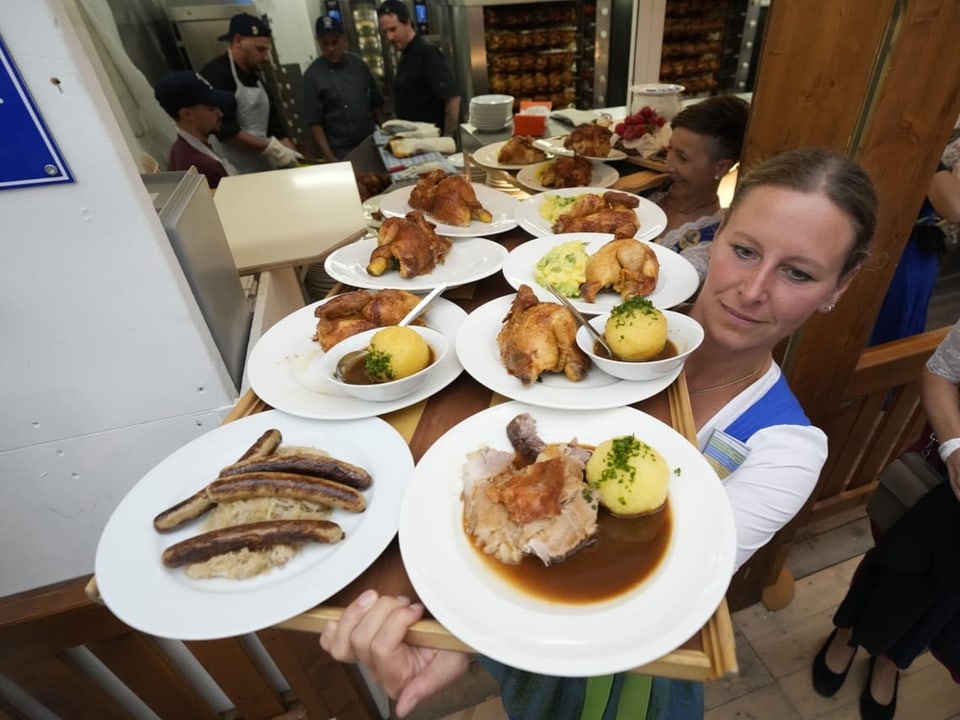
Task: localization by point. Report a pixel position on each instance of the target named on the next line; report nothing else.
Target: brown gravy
(354, 370)
(625, 552)
(669, 351)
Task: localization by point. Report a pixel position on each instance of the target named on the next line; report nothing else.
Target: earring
(716, 177)
(828, 308)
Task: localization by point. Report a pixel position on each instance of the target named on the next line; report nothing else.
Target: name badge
(724, 453)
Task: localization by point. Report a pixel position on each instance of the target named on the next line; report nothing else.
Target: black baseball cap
(185, 88)
(247, 25)
(329, 24)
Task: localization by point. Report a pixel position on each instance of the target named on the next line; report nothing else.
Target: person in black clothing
(253, 136)
(424, 89)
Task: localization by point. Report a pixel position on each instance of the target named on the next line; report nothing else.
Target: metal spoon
(581, 319)
(417, 311)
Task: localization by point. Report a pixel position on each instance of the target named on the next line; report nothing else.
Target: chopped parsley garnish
(632, 307)
(676, 471)
(617, 465)
(377, 365)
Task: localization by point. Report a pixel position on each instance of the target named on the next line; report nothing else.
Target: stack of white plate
(491, 112)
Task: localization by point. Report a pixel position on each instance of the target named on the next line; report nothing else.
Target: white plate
(554, 146)
(501, 206)
(478, 351)
(487, 157)
(496, 619)
(678, 278)
(468, 260)
(603, 176)
(284, 367)
(161, 601)
(652, 219)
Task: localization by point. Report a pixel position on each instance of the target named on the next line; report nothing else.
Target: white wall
(107, 365)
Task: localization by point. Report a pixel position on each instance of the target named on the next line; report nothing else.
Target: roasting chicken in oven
(539, 337)
(449, 198)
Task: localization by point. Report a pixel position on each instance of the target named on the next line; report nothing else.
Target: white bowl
(682, 330)
(385, 391)
(488, 100)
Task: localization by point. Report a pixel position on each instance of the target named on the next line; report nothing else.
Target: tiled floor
(775, 651)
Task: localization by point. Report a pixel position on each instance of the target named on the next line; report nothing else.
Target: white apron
(253, 116)
(203, 148)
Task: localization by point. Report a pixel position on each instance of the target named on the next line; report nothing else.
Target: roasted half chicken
(544, 509)
(567, 172)
(408, 244)
(592, 140)
(612, 212)
(354, 312)
(539, 337)
(519, 150)
(626, 265)
(449, 198)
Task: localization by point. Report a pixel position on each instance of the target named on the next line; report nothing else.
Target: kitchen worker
(197, 109)
(341, 100)
(424, 89)
(253, 137)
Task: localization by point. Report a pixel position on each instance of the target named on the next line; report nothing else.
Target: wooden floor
(775, 651)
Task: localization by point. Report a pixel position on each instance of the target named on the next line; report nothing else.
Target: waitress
(252, 136)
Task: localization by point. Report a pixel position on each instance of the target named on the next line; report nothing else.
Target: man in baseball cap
(197, 108)
(341, 99)
(254, 136)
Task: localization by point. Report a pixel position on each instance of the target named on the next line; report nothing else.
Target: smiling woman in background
(794, 238)
(705, 144)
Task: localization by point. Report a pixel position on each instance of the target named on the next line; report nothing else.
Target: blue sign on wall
(28, 154)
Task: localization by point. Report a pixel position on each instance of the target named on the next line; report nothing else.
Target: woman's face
(690, 165)
(776, 260)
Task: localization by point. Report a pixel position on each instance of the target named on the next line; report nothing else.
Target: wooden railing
(43, 631)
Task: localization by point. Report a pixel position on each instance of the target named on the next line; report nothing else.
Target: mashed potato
(553, 206)
(630, 477)
(565, 266)
(396, 352)
(636, 330)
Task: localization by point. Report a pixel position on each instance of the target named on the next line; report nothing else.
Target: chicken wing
(610, 213)
(519, 150)
(628, 266)
(539, 337)
(449, 198)
(567, 172)
(360, 310)
(409, 245)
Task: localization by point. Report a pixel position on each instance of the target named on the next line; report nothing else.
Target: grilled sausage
(266, 444)
(286, 485)
(252, 536)
(302, 463)
(193, 507)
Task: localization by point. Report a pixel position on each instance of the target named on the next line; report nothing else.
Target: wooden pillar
(877, 80)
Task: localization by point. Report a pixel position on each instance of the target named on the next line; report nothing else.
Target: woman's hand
(371, 632)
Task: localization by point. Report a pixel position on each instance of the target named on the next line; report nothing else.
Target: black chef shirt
(423, 84)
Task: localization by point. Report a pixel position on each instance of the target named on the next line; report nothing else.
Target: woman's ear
(841, 288)
(722, 167)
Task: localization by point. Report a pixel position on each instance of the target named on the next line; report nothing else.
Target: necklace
(749, 376)
(713, 201)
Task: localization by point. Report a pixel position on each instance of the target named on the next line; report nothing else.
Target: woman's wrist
(947, 448)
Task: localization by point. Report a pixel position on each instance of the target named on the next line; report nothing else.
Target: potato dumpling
(636, 330)
(630, 477)
(553, 206)
(564, 266)
(396, 352)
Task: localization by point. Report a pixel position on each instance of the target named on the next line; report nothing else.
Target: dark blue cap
(329, 24)
(185, 88)
(246, 25)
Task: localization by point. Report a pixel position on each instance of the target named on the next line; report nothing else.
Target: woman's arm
(371, 632)
(944, 195)
(939, 397)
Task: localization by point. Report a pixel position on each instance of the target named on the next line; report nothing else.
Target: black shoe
(825, 681)
(870, 709)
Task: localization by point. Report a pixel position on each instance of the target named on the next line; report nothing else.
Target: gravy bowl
(392, 389)
(683, 331)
